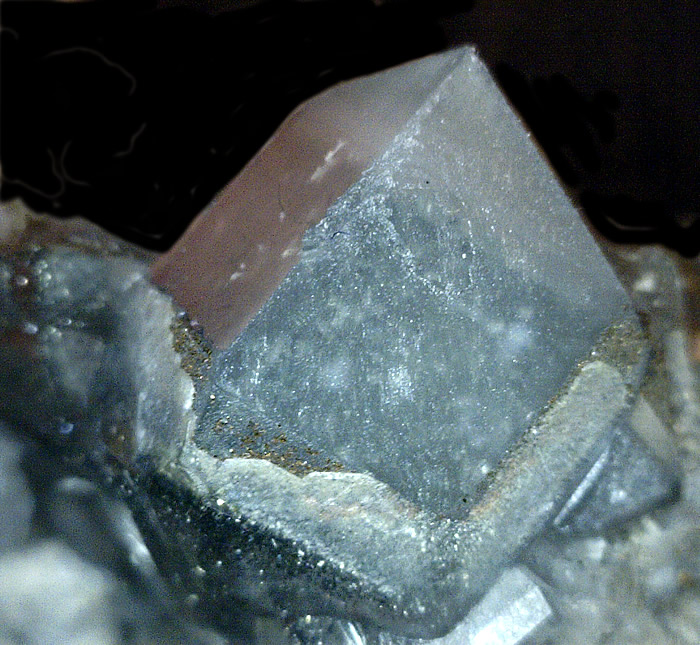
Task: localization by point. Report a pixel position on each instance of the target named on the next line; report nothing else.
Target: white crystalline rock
(49, 594)
(77, 611)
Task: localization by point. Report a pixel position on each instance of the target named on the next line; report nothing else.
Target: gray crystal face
(435, 310)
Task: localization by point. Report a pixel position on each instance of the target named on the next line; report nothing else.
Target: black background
(134, 114)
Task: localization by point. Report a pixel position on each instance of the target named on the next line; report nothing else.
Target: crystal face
(447, 367)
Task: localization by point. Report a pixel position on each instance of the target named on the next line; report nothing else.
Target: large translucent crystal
(435, 309)
(422, 361)
(447, 357)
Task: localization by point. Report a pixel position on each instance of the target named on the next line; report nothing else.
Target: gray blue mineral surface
(453, 417)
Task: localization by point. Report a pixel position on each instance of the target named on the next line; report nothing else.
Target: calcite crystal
(421, 361)
(446, 359)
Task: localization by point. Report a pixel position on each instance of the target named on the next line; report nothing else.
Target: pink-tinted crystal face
(237, 251)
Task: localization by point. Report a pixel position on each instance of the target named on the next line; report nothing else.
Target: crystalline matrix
(423, 361)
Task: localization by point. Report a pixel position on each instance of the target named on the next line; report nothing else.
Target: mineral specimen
(446, 359)
(422, 362)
